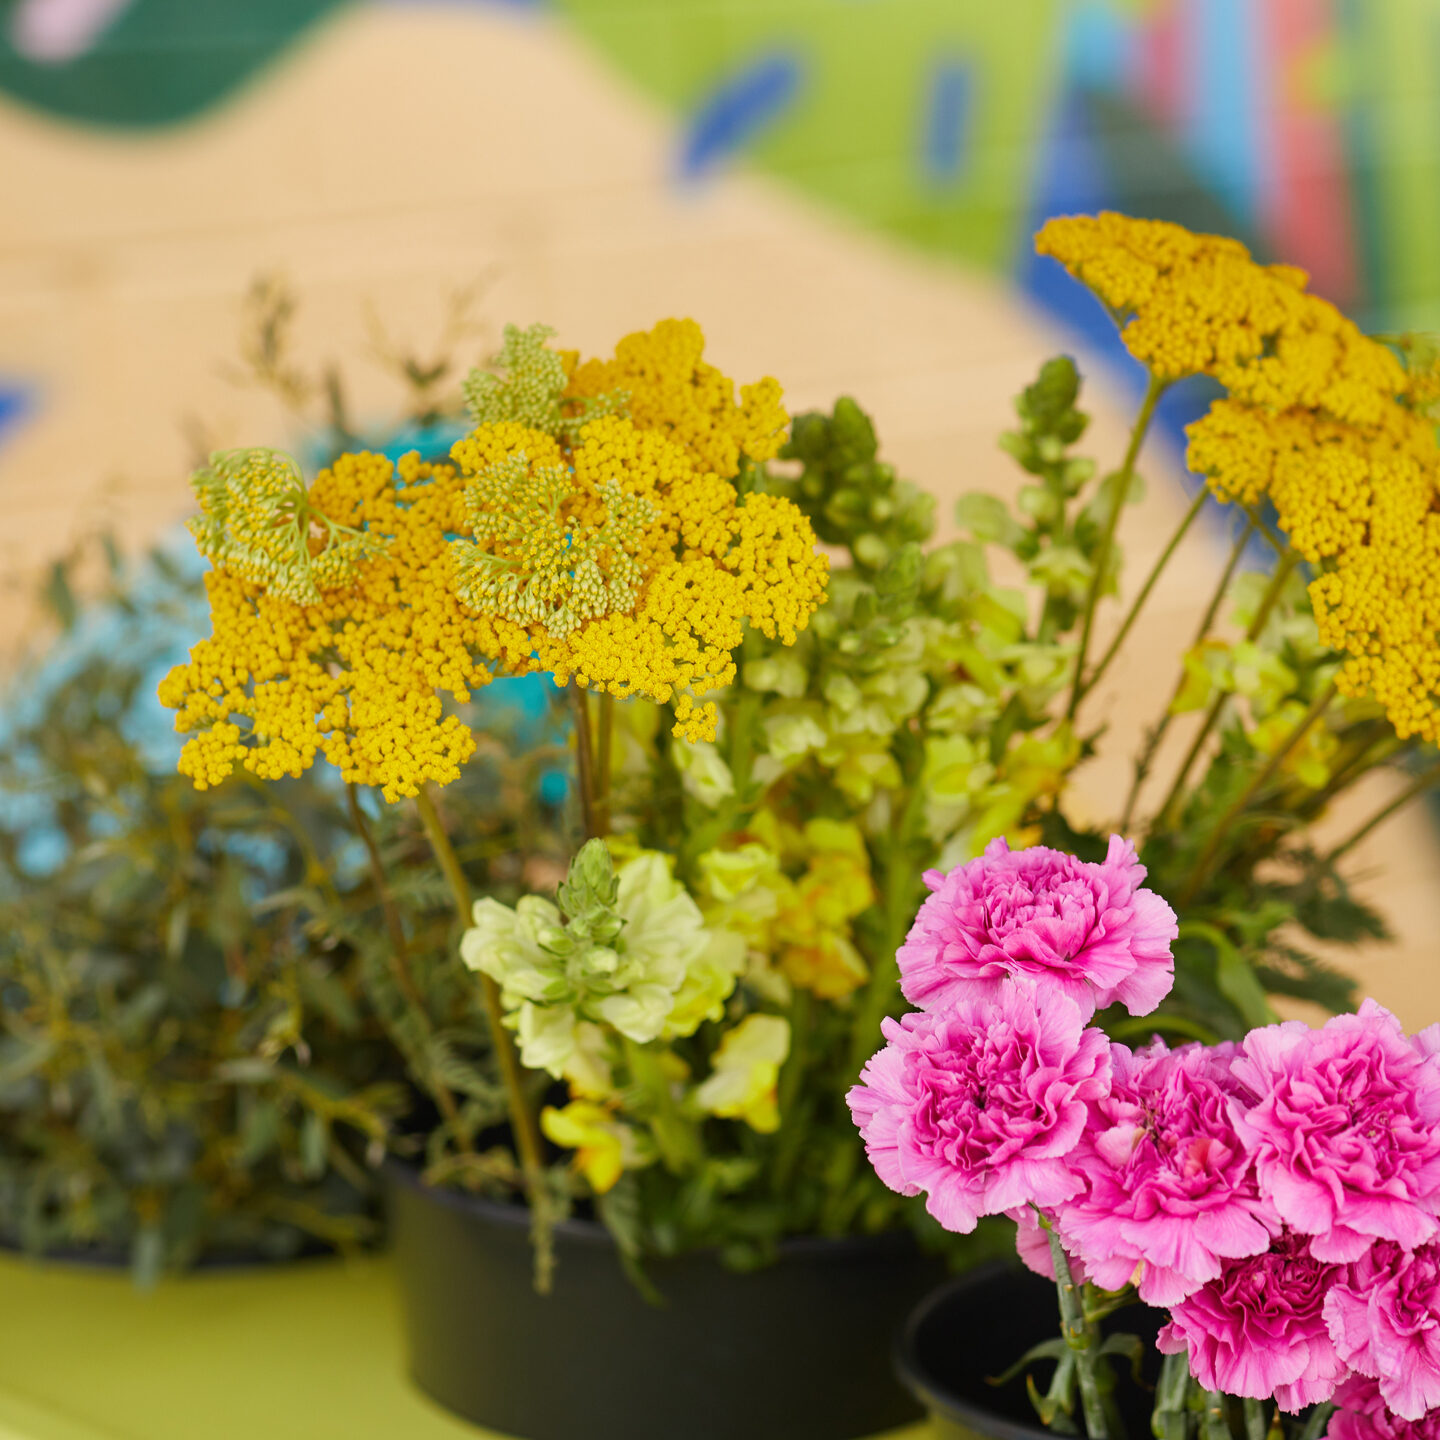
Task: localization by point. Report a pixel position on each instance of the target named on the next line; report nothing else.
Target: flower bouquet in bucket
(640, 1029)
(1278, 1198)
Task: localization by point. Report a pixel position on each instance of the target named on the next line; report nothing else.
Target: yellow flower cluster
(803, 923)
(611, 549)
(1324, 421)
(673, 390)
(652, 564)
(354, 676)
(1199, 305)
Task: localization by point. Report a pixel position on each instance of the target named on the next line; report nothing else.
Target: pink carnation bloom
(979, 1106)
(1086, 930)
(1363, 1415)
(1170, 1187)
(1259, 1329)
(1345, 1130)
(1384, 1316)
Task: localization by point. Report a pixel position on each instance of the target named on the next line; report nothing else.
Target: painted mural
(1307, 127)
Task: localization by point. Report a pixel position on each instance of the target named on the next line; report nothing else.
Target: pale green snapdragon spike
(530, 390)
(256, 521)
(626, 950)
(534, 565)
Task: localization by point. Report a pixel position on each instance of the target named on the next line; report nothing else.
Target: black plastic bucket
(978, 1326)
(800, 1350)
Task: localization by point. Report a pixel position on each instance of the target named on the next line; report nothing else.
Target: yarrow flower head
(1259, 1328)
(1345, 1130)
(1170, 1190)
(355, 674)
(980, 1106)
(570, 536)
(1086, 931)
(1384, 1317)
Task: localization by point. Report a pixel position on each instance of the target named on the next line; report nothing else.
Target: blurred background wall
(842, 191)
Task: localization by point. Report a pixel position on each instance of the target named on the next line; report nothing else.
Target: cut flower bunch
(1278, 1196)
(771, 745)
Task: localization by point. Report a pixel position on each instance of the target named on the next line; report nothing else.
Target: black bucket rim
(593, 1232)
(939, 1400)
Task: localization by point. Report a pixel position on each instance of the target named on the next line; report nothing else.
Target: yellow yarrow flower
(676, 392)
(632, 570)
(356, 675)
(1193, 304)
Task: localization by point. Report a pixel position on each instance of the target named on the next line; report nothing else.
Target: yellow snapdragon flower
(744, 1079)
(605, 1146)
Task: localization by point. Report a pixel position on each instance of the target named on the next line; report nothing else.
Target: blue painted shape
(738, 109)
(1223, 132)
(14, 403)
(948, 118)
(1099, 46)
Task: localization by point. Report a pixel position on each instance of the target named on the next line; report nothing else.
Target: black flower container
(977, 1327)
(800, 1350)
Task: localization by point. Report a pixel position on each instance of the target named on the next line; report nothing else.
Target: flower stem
(399, 958)
(603, 752)
(1126, 474)
(522, 1119)
(1152, 743)
(1258, 782)
(585, 762)
(1156, 570)
(1216, 1426)
(1417, 786)
(1268, 601)
(1255, 1427)
(1081, 1336)
(675, 1138)
(1319, 1418)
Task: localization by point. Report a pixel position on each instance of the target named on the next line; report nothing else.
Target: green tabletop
(301, 1352)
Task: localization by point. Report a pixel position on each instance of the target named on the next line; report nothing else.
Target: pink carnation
(979, 1106)
(1345, 1130)
(1363, 1415)
(1087, 930)
(1384, 1316)
(1259, 1329)
(1170, 1187)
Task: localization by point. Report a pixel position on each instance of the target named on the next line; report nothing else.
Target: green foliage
(852, 497)
(203, 1048)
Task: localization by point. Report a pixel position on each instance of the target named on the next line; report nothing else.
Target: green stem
(1255, 1427)
(1081, 1338)
(1318, 1420)
(399, 958)
(1156, 570)
(792, 1077)
(1216, 1426)
(1417, 786)
(522, 1119)
(1157, 734)
(603, 752)
(585, 764)
(675, 1138)
(1258, 782)
(899, 896)
(1126, 475)
(1268, 601)
(1168, 1418)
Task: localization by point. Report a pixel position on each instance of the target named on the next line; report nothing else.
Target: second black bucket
(800, 1350)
